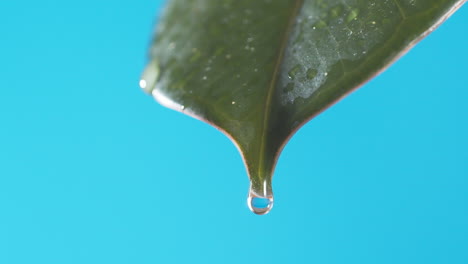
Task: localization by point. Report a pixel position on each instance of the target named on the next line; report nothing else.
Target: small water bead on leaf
(143, 84)
(149, 77)
(336, 11)
(294, 71)
(352, 15)
(320, 24)
(311, 73)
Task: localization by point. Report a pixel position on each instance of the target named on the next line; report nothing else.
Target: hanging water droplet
(260, 205)
(260, 200)
(149, 77)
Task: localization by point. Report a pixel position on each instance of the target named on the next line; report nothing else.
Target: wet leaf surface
(258, 70)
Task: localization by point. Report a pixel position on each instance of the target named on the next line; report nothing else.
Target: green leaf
(259, 69)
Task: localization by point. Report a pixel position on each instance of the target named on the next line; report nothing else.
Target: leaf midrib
(272, 86)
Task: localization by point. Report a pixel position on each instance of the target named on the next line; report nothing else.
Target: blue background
(94, 171)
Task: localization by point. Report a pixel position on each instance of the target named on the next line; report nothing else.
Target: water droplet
(294, 71)
(311, 73)
(260, 199)
(260, 204)
(149, 77)
(320, 24)
(142, 84)
(352, 15)
(336, 11)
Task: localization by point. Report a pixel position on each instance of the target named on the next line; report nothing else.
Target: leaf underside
(258, 70)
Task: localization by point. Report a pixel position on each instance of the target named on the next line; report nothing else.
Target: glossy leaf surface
(258, 70)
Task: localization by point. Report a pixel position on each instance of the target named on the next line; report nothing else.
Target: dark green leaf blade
(258, 70)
